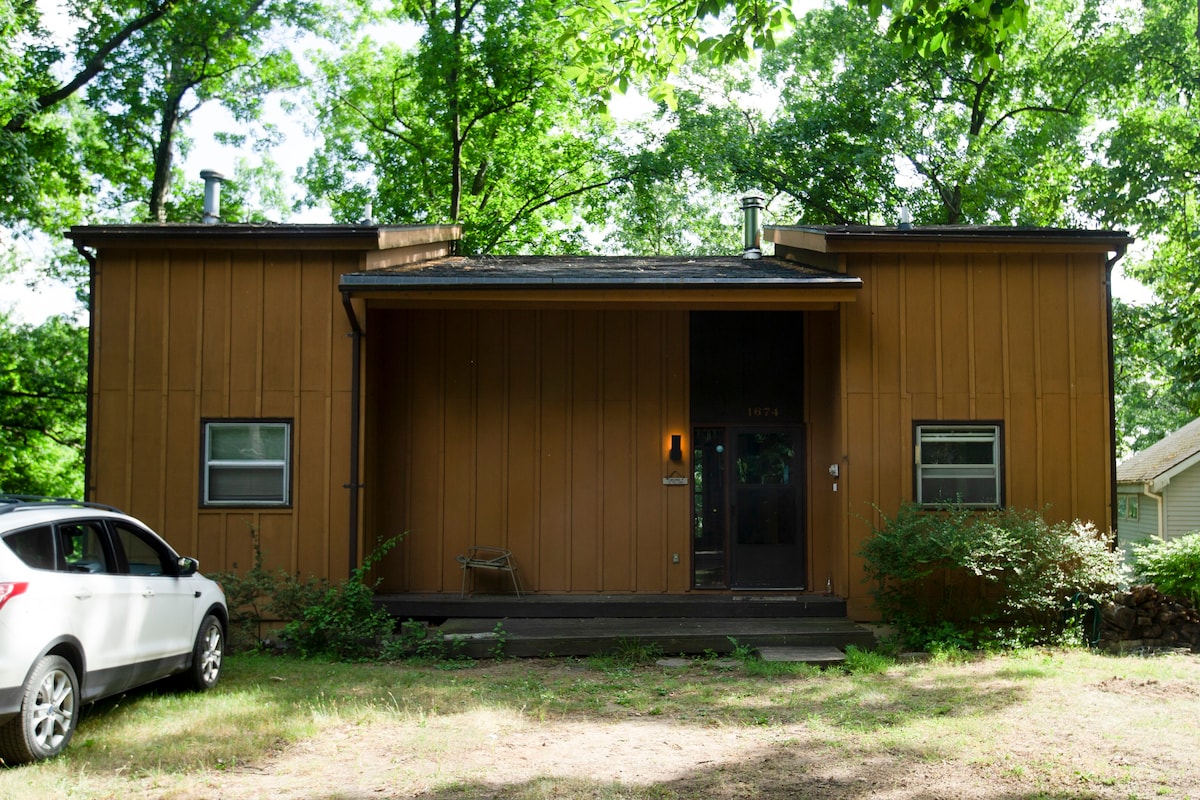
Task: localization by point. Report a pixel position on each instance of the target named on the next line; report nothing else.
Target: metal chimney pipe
(212, 195)
(752, 206)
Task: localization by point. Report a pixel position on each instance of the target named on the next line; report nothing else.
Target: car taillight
(8, 590)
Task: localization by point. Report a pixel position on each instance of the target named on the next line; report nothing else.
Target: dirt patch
(996, 729)
(1148, 688)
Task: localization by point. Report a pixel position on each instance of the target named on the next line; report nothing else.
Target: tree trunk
(163, 158)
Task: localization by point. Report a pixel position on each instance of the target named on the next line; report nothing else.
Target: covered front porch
(624, 427)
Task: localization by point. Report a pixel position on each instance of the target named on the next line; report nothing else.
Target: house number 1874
(762, 411)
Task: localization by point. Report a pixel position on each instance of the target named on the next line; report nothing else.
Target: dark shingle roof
(1162, 456)
(599, 271)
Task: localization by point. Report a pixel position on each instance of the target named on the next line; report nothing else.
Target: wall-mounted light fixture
(676, 453)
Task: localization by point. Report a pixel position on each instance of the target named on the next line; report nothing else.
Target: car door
(98, 602)
(161, 610)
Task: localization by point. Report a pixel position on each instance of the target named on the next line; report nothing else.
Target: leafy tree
(1146, 174)
(864, 127)
(104, 139)
(476, 125)
(233, 52)
(614, 43)
(45, 129)
(43, 402)
(1150, 402)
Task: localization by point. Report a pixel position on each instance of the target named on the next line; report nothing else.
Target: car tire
(49, 713)
(208, 655)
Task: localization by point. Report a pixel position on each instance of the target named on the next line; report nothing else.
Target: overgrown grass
(981, 710)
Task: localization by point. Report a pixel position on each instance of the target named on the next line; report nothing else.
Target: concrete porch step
(694, 605)
(527, 638)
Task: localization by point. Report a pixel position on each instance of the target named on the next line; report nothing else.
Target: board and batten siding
(545, 432)
(186, 335)
(1017, 339)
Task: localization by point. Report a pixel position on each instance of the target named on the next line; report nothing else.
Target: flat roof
(943, 238)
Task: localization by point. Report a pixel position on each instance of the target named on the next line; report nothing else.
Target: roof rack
(15, 502)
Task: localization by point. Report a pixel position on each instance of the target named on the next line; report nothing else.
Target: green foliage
(997, 578)
(613, 45)
(320, 618)
(865, 662)
(1172, 565)
(344, 623)
(475, 126)
(93, 110)
(932, 27)
(742, 652)
(1150, 402)
(633, 652)
(417, 641)
(43, 407)
(261, 596)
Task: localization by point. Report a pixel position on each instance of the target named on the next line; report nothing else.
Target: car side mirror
(187, 566)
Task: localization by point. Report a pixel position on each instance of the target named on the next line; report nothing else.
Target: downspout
(90, 257)
(1112, 394)
(355, 485)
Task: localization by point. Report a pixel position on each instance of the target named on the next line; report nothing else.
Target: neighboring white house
(1158, 489)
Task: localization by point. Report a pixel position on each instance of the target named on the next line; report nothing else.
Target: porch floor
(541, 637)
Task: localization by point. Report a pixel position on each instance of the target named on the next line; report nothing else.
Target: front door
(748, 515)
(747, 406)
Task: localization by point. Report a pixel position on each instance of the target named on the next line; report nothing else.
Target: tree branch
(93, 67)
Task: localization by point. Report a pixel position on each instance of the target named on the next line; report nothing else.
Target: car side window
(81, 548)
(144, 554)
(34, 546)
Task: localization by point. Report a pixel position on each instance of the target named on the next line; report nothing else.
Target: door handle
(148, 593)
(83, 594)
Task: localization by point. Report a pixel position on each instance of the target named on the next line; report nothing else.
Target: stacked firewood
(1144, 618)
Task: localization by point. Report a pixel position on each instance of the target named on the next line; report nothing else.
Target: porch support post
(355, 485)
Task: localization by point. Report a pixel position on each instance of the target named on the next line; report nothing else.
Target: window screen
(247, 463)
(958, 464)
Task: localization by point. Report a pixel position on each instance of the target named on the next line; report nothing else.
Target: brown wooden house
(625, 426)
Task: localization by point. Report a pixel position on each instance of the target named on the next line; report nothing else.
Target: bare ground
(1103, 737)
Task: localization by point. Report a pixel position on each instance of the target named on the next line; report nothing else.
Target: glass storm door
(748, 508)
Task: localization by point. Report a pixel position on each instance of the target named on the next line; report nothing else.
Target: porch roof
(703, 281)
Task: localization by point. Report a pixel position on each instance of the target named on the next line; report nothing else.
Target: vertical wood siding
(191, 335)
(543, 432)
(1016, 339)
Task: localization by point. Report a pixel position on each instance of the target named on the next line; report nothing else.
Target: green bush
(319, 618)
(261, 596)
(1172, 565)
(961, 576)
(344, 622)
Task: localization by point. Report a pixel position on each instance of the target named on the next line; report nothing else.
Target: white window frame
(284, 465)
(966, 432)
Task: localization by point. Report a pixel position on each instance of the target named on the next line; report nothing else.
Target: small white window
(247, 463)
(958, 464)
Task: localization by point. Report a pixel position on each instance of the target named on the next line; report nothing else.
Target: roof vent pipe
(212, 195)
(752, 206)
(905, 223)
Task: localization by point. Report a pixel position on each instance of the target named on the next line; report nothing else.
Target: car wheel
(49, 713)
(207, 655)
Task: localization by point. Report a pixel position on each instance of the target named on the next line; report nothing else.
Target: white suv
(92, 603)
